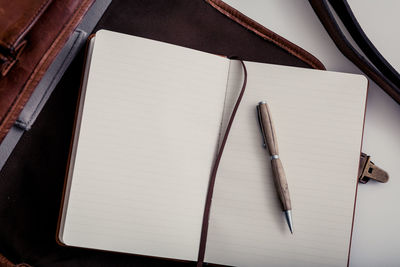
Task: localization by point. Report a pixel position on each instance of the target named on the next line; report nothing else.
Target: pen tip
(262, 102)
(288, 215)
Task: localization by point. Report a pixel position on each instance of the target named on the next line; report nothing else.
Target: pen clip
(261, 127)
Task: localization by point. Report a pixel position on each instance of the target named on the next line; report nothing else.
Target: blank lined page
(149, 130)
(318, 117)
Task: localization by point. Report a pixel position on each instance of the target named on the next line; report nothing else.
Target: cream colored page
(149, 131)
(318, 117)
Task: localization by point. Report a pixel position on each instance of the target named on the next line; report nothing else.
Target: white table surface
(376, 239)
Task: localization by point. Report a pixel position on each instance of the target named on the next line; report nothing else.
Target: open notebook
(150, 119)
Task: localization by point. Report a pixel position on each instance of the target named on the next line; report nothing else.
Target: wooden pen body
(269, 135)
(281, 184)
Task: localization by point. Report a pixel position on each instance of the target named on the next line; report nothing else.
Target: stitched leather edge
(266, 34)
(12, 59)
(12, 114)
(23, 31)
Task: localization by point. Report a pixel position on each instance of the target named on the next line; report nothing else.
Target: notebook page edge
(105, 32)
(74, 141)
(362, 93)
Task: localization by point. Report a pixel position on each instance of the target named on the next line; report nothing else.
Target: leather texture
(18, 17)
(32, 180)
(4, 262)
(16, 20)
(375, 66)
(50, 79)
(58, 22)
(346, 15)
(265, 33)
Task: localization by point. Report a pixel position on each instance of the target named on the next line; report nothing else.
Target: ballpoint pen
(270, 141)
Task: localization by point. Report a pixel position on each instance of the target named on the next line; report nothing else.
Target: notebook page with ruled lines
(150, 121)
(318, 117)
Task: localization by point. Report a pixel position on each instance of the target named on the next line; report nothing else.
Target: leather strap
(387, 83)
(351, 24)
(8, 60)
(206, 215)
(16, 20)
(20, 82)
(266, 34)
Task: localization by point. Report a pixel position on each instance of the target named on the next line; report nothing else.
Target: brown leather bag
(17, 19)
(32, 32)
(34, 180)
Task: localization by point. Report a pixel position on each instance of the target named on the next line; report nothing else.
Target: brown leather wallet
(41, 28)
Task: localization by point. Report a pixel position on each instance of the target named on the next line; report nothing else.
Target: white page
(149, 131)
(318, 117)
(374, 242)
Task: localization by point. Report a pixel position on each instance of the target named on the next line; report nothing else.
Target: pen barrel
(268, 130)
(269, 135)
(281, 183)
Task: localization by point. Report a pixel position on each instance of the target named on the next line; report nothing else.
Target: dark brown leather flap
(16, 19)
(47, 37)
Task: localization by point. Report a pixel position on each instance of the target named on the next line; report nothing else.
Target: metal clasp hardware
(368, 170)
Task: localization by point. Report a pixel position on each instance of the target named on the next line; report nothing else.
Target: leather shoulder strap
(326, 17)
